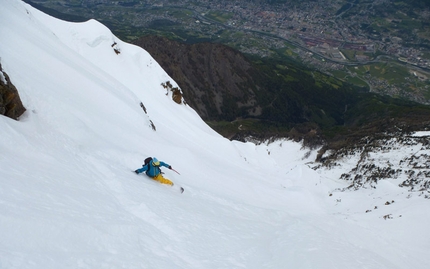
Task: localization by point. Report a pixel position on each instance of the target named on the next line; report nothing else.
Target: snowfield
(69, 198)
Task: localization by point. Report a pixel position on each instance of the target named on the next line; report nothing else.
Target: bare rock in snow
(10, 103)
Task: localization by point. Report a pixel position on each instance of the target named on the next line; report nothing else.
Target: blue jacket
(151, 169)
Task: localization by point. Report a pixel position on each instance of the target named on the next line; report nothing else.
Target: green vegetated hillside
(322, 108)
(242, 96)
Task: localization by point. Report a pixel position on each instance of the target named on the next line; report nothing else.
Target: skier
(152, 168)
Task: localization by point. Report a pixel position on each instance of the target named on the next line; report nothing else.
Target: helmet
(155, 162)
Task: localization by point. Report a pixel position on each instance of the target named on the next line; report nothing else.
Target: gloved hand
(137, 172)
(170, 167)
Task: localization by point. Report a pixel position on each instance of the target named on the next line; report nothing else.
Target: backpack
(147, 160)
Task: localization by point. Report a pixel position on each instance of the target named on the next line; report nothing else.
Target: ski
(181, 189)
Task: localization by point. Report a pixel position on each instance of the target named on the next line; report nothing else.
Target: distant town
(315, 25)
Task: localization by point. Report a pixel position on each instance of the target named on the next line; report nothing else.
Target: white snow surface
(69, 198)
(421, 134)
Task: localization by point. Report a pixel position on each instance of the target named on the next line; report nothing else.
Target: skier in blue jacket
(152, 169)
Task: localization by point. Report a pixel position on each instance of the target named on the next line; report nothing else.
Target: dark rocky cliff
(216, 80)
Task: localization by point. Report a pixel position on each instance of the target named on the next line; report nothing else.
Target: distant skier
(152, 169)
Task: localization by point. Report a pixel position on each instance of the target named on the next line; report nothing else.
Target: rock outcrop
(10, 102)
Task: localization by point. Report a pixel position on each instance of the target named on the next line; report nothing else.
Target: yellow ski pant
(162, 180)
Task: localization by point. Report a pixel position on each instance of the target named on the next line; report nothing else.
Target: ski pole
(174, 170)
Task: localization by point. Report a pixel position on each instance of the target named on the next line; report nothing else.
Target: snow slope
(68, 198)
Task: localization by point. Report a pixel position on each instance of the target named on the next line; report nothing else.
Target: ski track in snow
(69, 198)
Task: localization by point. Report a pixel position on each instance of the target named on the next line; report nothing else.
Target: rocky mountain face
(216, 80)
(10, 103)
(396, 157)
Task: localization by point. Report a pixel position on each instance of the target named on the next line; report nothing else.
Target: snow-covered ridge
(69, 198)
